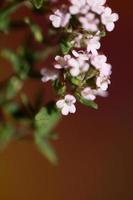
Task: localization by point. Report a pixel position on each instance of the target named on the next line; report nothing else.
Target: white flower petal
(75, 71)
(72, 109)
(70, 98)
(74, 10)
(60, 104)
(110, 26)
(65, 110)
(73, 63)
(115, 17)
(104, 86)
(108, 11)
(88, 94)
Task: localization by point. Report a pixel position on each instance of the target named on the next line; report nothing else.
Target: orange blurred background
(95, 147)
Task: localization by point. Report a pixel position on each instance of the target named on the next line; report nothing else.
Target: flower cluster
(81, 70)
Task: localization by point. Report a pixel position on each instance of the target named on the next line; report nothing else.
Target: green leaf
(66, 47)
(6, 133)
(38, 3)
(11, 107)
(13, 87)
(46, 120)
(86, 102)
(4, 16)
(19, 63)
(35, 29)
(4, 25)
(5, 12)
(46, 149)
(75, 81)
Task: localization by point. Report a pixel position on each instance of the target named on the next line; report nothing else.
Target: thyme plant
(66, 36)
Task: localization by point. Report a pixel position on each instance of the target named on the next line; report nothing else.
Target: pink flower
(108, 18)
(66, 105)
(49, 75)
(93, 45)
(78, 6)
(89, 22)
(60, 19)
(88, 94)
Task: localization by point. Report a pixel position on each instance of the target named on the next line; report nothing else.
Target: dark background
(95, 147)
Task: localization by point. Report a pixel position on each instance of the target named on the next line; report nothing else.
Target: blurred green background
(95, 147)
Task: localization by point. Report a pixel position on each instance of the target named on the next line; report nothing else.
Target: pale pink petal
(65, 110)
(70, 98)
(60, 104)
(110, 26)
(72, 109)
